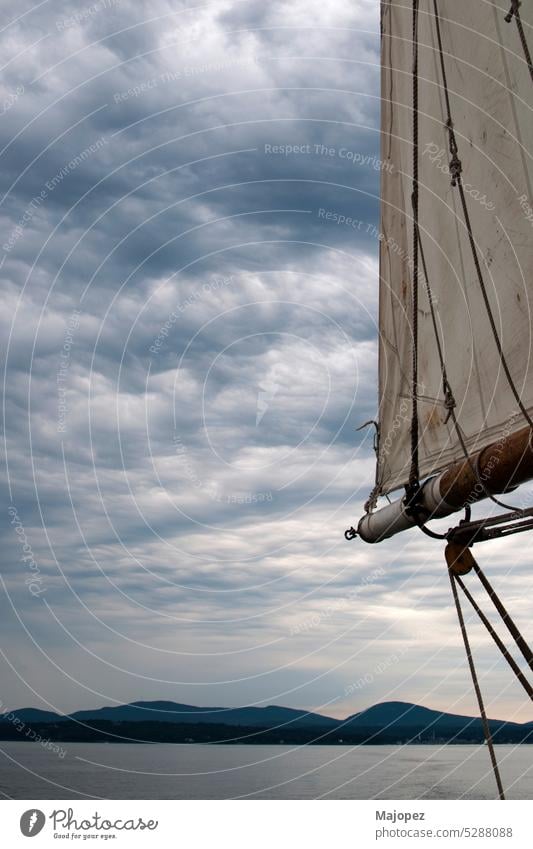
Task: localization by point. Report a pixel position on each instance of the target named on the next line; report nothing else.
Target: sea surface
(163, 771)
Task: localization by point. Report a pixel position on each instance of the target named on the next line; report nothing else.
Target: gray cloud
(190, 341)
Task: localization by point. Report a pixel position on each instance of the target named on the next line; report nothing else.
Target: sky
(189, 270)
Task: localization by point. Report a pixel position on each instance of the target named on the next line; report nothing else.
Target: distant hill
(163, 721)
(32, 715)
(415, 719)
(252, 717)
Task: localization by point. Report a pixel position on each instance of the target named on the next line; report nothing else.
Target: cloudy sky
(189, 327)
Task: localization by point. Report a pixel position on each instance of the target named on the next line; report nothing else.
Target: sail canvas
(489, 88)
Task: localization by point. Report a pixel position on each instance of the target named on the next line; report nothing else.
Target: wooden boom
(497, 468)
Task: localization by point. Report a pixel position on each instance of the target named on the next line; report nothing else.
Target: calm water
(111, 771)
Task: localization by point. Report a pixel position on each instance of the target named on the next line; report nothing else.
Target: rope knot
(456, 168)
(449, 402)
(515, 5)
(372, 500)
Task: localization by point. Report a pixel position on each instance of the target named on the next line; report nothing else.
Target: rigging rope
(455, 170)
(414, 471)
(486, 727)
(449, 399)
(509, 658)
(511, 627)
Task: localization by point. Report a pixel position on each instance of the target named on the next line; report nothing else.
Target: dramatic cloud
(189, 218)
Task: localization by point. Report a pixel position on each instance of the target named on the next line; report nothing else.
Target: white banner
(266, 824)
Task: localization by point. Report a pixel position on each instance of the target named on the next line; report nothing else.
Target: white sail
(491, 97)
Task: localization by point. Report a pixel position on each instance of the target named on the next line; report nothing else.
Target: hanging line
(486, 727)
(449, 399)
(509, 658)
(514, 12)
(414, 471)
(372, 499)
(507, 619)
(455, 171)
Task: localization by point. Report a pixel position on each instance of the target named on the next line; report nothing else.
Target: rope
(486, 727)
(449, 399)
(372, 499)
(514, 12)
(509, 658)
(456, 170)
(414, 471)
(511, 627)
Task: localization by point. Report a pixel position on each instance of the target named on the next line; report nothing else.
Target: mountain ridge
(381, 714)
(386, 723)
